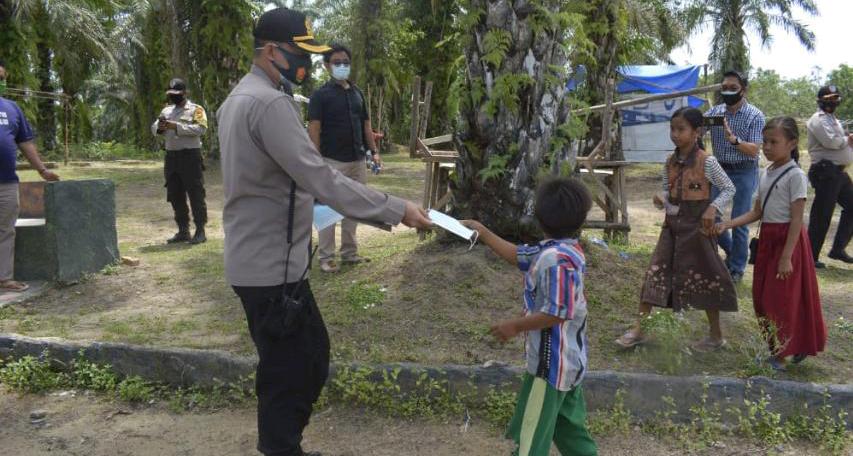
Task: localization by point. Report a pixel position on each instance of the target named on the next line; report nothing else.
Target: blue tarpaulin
(651, 79)
(645, 127)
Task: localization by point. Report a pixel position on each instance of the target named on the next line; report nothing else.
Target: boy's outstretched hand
(505, 330)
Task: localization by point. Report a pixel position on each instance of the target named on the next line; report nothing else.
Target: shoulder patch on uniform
(199, 116)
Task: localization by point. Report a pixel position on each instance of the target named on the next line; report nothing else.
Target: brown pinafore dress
(686, 272)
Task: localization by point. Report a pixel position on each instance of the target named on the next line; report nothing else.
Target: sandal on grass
(14, 286)
(631, 339)
(708, 345)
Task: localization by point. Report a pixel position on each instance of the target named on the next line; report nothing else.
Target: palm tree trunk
(510, 115)
(46, 110)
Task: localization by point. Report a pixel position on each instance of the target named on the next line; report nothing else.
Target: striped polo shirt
(553, 284)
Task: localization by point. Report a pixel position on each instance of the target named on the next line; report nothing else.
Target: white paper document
(454, 226)
(325, 216)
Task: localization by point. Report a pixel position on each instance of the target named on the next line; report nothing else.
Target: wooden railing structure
(603, 171)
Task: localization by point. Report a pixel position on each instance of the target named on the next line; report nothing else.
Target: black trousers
(292, 367)
(832, 185)
(184, 172)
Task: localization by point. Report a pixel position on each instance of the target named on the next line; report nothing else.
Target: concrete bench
(65, 229)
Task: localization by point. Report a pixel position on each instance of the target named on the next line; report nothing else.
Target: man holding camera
(831, 151)
(340, 129)
(182, 123)
(737, 144)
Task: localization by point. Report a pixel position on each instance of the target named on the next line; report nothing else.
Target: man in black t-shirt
(339, 125)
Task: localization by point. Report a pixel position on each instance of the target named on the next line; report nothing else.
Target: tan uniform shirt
(264, 145)
(192, 124)
(827, 140)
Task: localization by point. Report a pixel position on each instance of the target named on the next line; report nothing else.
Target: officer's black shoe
(199, 236)
(183, 235)
(841, 256)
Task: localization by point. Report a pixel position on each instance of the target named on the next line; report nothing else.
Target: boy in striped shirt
(550, 404)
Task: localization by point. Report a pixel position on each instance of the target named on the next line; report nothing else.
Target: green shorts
(544, 414)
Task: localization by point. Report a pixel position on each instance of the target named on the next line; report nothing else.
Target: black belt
(829, 164)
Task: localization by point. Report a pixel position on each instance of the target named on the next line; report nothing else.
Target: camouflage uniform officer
(182, 123)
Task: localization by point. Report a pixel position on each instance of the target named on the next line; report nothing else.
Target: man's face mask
(731, 97)
(341, 72)
(299, 65)
(829, 106)
(2, 86)
(176, 98)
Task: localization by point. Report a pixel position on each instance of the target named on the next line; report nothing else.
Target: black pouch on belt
(288, 317)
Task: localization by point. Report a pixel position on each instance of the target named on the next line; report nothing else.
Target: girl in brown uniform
(686, 272)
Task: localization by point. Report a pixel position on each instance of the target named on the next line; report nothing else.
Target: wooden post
(422, 130)
(413, 132)
(379, 117)
(67, 107)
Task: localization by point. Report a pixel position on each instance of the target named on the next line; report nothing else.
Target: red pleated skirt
(792, 305)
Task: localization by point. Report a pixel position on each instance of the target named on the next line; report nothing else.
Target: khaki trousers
(8, 217)
(357, 171)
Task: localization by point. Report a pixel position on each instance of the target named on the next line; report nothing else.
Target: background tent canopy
(645, 127)
(650, 79)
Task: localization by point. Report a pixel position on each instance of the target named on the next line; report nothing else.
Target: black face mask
(828, 106)
(731, 99)
(299, 65)
(176, 98)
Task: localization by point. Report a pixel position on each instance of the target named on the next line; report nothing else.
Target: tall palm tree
(732, 19)
(513, 108)
(71, 40)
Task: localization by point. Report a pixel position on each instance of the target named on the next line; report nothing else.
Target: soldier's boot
(199, 236)
(183, 235)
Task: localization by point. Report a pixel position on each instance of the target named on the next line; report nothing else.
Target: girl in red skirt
(784, 287)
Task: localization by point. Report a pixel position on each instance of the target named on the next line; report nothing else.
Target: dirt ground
(92, 426)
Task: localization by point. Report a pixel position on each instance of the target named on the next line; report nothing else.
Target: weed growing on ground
(841, 326)
(615, 420)
(755, 350)
(363, 296)
(706, 422)
(135, 389)
(663, 423)
(88, 375)
(31, 375)
(381, 390)
(826, 428)
(110, 269)
(499, 406)
(669, 330)
(215, 398)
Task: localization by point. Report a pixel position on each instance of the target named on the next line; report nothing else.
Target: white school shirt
(791, 187)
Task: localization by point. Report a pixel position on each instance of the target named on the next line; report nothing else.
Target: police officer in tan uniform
(271, 175)
(182, 123)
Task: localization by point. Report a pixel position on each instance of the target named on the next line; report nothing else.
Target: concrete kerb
(643, 394)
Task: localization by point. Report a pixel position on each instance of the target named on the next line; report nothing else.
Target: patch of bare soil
(92, 426)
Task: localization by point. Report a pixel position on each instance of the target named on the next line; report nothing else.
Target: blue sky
(834, 36)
